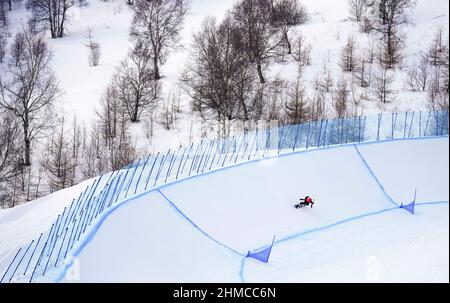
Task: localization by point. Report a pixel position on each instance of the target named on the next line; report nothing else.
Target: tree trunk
(61, 25)
(27, 143)
(134, 116)
(286, 37)
(156, 69)
(52, 28)
(260, 74)
(61, 31)
(244, 109)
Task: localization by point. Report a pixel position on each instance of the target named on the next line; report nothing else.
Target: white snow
(21, 224)
(392, 247)
(327, 32)
(244, 207)
(353, 234)
(145, 251)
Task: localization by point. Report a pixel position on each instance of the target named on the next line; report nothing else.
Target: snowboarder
(307, 201)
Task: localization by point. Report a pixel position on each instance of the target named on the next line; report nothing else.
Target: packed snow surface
(200, 230)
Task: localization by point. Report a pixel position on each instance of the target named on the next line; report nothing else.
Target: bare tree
(388, 18)
(302, 51)
(135, 82)
(159, 23)
(94, 49)
(436, 52)
(254, 22)
(51, 14)
(297, 108)
(438, 100)
(299, 47)
(392, 49)
(29, 87)
(318, 111)
(10, 157)
(445, 74)
(113, 145)
(364, 73)
(357, 9)
(276, 99)
(58, 161)
(383, 85)
(76, 140)
(341, 98)
(437, 95)
(419, 75)
(166, 115)
(286, 14)
(356, 98)
(438, 88)
(218, 77)
(327, 81)
(169, 111)
(348, 56)
(390, 13)
(366, 24)
(123, 152)
(108, 118)
(95, 155)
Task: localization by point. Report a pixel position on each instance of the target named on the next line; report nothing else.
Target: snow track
(222, 215)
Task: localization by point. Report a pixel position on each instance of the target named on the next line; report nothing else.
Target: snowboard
(298, 206)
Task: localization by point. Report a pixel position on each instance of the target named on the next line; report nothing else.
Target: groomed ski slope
(201, 229)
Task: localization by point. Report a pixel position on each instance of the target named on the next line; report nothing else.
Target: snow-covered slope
(22, 223)
(200, 230)
(241, 209)
(327, 32)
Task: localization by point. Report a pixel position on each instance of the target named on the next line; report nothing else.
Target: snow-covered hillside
(188, 205)
(327, 32)
(83, 87)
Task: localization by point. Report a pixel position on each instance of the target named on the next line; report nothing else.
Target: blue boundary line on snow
(95, 228)
(369, 214)
(380, 185)
(93, 231)
(242, 269)
(299, 152)
(431, 203)
(195, 225)
(355, 218)
(341, 222)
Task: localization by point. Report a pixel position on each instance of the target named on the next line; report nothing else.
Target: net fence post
(411, 125)
(32, 255)
(10, 264)
(380, 117)
(181, 162)
(140, 175)
(426, 126)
